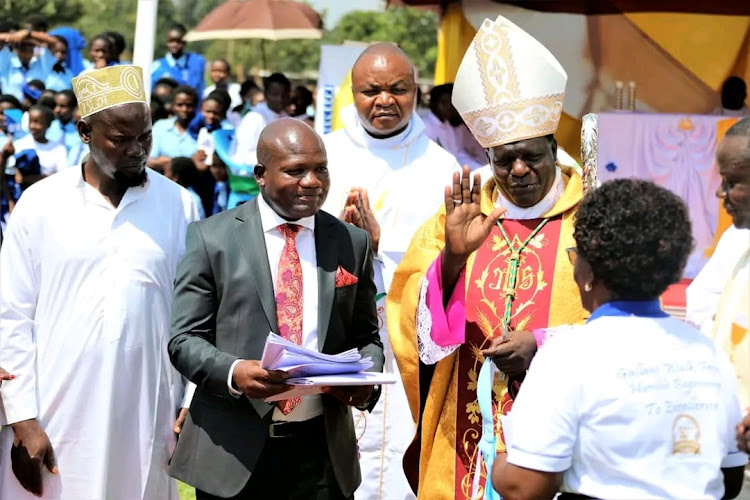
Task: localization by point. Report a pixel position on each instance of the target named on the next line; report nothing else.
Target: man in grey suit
(276, 263)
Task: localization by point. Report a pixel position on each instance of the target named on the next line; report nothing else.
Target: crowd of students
(39, 113)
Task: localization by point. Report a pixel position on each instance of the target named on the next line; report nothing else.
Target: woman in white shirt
(52, 155)
(633, 404)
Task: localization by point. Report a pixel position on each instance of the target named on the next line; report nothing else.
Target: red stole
(485, 305)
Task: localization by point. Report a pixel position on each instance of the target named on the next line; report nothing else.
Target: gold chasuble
(545, 296)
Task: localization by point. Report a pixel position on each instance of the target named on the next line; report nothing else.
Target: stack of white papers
(282, 354)
(311, 370)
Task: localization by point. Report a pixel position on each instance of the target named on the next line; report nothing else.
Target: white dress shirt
(311, 406)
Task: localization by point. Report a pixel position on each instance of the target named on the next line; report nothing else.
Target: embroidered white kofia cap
(509, 87)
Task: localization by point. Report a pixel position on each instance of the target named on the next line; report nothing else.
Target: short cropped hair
(636, 237)
(277, 78)
(71, 97)
(45, 110)
(186, 89)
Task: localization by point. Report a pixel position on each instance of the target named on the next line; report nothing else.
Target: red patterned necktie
(289, 297)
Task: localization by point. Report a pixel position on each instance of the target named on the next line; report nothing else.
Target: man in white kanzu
(86, 274)
(387, 177)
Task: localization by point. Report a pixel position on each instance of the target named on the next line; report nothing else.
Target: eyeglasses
(572, 254)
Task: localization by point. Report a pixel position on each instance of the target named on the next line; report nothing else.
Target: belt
(293, 429)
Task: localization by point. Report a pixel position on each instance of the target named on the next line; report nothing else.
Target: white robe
(405, 177)
(704, 292)
(85, 299)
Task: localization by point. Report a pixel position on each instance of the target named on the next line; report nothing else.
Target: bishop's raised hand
(466, 227)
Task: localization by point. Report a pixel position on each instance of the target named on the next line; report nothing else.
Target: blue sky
(337, 8)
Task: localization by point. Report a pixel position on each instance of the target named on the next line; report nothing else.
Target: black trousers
(295, 467)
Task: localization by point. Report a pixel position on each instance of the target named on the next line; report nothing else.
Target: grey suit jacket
(223, 310)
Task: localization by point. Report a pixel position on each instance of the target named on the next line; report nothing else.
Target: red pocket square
(344, 278)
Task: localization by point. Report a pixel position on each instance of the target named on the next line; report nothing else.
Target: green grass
(186, 492)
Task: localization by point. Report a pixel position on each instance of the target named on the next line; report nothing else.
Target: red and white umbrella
(261, 19)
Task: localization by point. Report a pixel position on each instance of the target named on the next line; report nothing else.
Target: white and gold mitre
(108, 87)
(509, 87)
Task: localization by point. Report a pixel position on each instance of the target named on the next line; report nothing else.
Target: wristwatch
(370, 403)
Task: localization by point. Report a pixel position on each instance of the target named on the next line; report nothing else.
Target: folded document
(310, 370)
(282, 354)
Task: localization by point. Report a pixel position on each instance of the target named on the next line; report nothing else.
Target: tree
(120, 15)
(190, 12)
(415, 31)
(59, 12)
(286, 56)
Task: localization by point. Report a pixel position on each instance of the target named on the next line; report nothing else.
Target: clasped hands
(357, 212)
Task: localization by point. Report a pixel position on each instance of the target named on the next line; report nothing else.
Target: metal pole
(262, 55)
(145, 32)
(230, 51)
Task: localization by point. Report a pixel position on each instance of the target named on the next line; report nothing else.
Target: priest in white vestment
(733, 161)
(384, 150)
(86, 276)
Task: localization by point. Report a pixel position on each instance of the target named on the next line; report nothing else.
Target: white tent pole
(145, 32)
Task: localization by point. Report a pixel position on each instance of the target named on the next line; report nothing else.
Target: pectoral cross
(513, 265)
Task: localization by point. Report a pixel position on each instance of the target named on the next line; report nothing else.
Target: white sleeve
(190, 387)
(733, 412)
(19, 292)
(187, 398)
(703, 294)
(234, 392)
(192, 211)
(196, 213)
(429, 352)
(545, 415)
